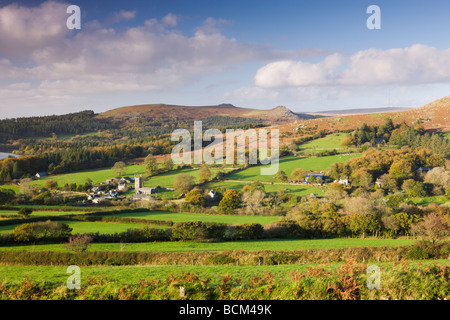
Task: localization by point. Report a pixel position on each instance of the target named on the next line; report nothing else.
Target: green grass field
(13, 187)
(296, 189)
(101, 175)
(96, 175)
(42, 213)
(92, 227)
(167, 179)
(178, 217)
(427, 200)
(329, 142)
(131, 274)
(249, 245)
(288, 164)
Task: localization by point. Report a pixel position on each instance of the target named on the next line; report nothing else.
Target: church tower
(137, 184)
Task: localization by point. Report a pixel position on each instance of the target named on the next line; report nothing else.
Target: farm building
(41, 174)
(343, 181)
(318, 176)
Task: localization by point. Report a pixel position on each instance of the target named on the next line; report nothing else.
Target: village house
(41, 174)
(343, 180)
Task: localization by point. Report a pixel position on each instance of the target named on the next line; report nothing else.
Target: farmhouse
(343, 180)
(41, 174)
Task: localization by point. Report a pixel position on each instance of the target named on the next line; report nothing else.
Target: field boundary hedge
(235, 257)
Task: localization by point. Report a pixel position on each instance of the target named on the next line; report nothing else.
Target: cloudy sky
(306, 55)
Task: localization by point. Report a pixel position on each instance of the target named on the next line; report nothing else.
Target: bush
(79, 242)
(220, 260)
(249, 231)
(189, 230)
(417, 253)
(25, 212)
(48, 230)
(282, 229)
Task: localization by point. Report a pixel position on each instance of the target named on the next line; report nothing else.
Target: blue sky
(306, 55)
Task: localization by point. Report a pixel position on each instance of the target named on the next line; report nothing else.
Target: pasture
(101, 175)
(91, 227)
(132, 274)
(296, 189)
(329, 142)
(179, 217)
(288, 164)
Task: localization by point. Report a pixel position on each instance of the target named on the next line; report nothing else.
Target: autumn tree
(253, 200)
(197, 197)
(281, 176)
(299, 174)
(230, 200)
(204, 175)
(183, 183)
(433, 228)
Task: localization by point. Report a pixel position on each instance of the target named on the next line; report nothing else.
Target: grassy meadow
(289, 164)
(179, 217)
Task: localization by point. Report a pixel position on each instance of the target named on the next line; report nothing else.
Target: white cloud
(417, 64)
(146, 57)
(170, 20)
(23, 30)
(296, 74)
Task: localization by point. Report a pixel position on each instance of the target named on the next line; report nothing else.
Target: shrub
(220, 259)
(189, 230)
(249, 231)
(25, 212)
(48, 230)
(79, 242)
(417, 253)
(197, 197)
(282, 229)
(230, 200)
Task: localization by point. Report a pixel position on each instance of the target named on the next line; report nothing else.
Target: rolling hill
(165, 111)
(434, 116)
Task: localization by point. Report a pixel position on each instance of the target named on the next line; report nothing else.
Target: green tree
(364, 223)
(168, 165)
(119, 168)
(6, 196)
(51, 184)
(151, 166)
(25, 212)
(189, 230)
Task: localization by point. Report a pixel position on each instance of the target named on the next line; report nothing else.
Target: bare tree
(433, 228)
